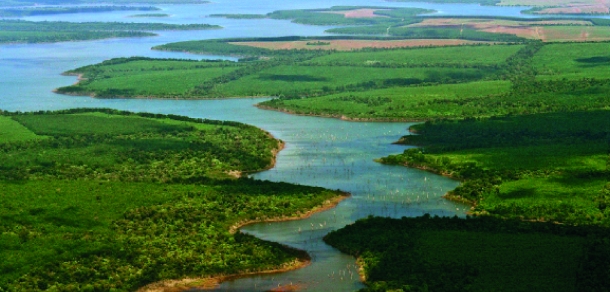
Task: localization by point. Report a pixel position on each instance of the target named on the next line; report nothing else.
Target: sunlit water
(321, 152)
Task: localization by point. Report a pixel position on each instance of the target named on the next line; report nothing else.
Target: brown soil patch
(551, 30)
(357, 13)
(347, 45)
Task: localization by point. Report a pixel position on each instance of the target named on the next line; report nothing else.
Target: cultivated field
(347, 45)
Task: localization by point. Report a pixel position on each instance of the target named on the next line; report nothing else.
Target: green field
(291, 73)
(573, 61)
(397, 103)
(316, 80)
(459, 56)
(483, 254)
(12, 131)
(142, 77)
(112, 201)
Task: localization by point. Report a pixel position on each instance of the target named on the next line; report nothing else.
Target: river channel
(319, 151)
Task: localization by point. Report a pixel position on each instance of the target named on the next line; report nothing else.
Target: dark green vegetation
(35, 11)
(290, 73)
(551, 167)
(334, 15)
(102, 200)
(10, 3)
(482, 254)
(18, 31)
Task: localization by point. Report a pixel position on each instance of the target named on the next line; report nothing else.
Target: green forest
(20, 31)
(106, 200)
(475, 254)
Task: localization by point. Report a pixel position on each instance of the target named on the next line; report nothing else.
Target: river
(319, 151)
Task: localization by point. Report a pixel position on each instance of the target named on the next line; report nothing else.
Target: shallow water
(319, 151)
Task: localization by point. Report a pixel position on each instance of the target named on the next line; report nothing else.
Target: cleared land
(547, 30)
(358, 13)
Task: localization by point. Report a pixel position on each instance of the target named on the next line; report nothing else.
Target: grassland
(102, 200)
(12, 131)
(18, 31)
(451, 254)
(349, 45)
(573, 61)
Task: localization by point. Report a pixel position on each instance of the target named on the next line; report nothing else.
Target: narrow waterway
(319, 151)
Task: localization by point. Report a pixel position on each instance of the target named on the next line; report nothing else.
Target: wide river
(319, 151)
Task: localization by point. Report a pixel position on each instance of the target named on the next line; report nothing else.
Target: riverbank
(340, 117)
(208, 283)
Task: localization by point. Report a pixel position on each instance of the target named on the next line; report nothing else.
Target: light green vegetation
(150, 15)
(143, 77)
(295, 73)
(12, 131)
(17, 31)
(451, 254)
(397, 103)
(524, 94)
(545, 166)
(34, 11)
(573, 61)
(317, 80)
(112, 201)
(457, 56)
